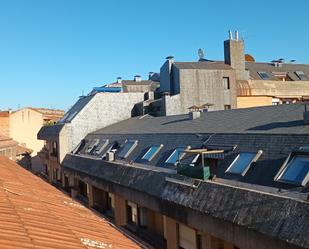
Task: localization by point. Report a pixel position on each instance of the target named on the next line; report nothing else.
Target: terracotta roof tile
(34, 214)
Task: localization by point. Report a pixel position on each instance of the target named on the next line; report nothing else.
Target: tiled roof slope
(279, 119)
(34, 214)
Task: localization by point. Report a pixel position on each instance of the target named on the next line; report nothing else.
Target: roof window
(101, 146)
(264, 75)
(295, 170)
(91, 145)
(301, 75)
(151, 153)
(128, 147)
(242, 162)
(176, 155)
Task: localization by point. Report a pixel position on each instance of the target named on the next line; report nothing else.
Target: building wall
(253, 101)
(5, 124)
(198, 87)
(24, 127)
(104, 109)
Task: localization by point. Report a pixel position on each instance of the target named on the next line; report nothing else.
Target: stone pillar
(171, 233)
(120, 211)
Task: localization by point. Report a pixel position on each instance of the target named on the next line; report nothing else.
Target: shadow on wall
(276, 125)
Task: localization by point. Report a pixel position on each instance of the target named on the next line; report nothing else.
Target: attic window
(176, 155)
(101, 146)
(301, 75)
(91, 145)
(151, 153)
(128, 147)
(295, 171)
(282, 76)
(264, 75)
(242, 162)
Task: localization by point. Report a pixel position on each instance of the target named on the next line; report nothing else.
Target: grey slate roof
(206, 65)
(49, 132)
(269, 68)
(281, 218)
(281, 119)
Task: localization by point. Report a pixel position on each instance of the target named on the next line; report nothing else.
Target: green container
(198, 172)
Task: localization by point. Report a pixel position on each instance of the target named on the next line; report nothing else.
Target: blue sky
(53, 50)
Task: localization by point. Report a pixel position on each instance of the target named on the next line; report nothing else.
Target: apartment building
(223, 179)
(102, 107)
(238, 81)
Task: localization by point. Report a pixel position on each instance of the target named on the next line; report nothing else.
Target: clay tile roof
(34, 214)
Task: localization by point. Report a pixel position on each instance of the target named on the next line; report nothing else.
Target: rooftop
(34, 214)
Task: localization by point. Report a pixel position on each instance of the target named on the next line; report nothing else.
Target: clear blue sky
(52, 50)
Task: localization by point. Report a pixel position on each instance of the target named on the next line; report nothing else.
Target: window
(91, 145)
(110, 202)
(301, 75)
(175, 156)
(151, 153)
(132, 212)
(2, 152)
(54, 149)
(283, 76)
(128, 147)
(101, 146)
(242, 162)
(264, 75)
(296, 171)
(227, 107)
(226, 83)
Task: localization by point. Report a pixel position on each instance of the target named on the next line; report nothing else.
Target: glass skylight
(241, 163)
(175, 156)
(296, 171)
(101, 146)
(91, 145)
(264, 75)
(301, 75)
(128, 147)
(150, 154)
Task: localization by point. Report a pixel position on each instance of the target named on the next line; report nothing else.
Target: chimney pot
(230, 35)
(236, 35)
(137, 78)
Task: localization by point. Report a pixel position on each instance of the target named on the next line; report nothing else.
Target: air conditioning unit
(110, 156)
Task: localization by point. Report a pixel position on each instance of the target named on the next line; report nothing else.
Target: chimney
(194, 114)
(170, 59)
(137, 78)
(150, 75)
(234, 55)
(119, 80)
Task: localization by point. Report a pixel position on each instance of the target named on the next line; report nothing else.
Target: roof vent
(137, 78)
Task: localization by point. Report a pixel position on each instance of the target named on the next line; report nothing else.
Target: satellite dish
(201, 54)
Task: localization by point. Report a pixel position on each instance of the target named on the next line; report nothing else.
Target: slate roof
(206, 65)
(34, 214)
(282, 218)
(269, 68)
(281, 119)
(50, 131)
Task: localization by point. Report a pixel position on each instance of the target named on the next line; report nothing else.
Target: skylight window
(101, 146)
(91, 145)
(128, 147)
(264, 75)
(301, 75)
(176, 155)
(242, 162)
(151, 153)
(296, 171)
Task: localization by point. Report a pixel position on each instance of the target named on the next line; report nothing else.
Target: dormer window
(128, 147)
(295, 170)
(101, 146)
(282, 76)
(301, 75)
(91, 145)
(264, 75)
(242, 162)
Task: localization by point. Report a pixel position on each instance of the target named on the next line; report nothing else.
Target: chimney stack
(137, 78)
(119, 79)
